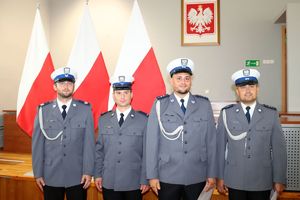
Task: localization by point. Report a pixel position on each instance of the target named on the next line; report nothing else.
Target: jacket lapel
(114, 121)
(174, 106)
(191, 106)
(128, 119)
(55, 112)
(72, 110)
(241, 115)
(257, 115)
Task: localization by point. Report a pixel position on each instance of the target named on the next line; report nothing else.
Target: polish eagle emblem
(200, 20)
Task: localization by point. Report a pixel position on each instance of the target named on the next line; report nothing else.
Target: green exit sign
(252, 63)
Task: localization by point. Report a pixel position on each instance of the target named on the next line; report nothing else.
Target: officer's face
(181, 83)
(247, 93)
(64, 89)
(122, 98)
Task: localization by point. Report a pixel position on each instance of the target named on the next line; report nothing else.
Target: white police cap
(64, 74)
(245, 77)
(121, 82)
(181, 65)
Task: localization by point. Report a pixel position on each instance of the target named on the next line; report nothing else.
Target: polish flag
(36, 85)
(92, 84)
(137, 59)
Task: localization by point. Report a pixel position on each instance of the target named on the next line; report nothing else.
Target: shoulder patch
(162, 97)
(106, 112)
(270, 107)
(84, 102)
(203, 97)
(46, 103)
(143, 113)
(228, 106)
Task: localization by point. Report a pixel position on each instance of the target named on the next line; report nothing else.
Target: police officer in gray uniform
(252, 155)
(181, 139)
(63, 143)
(120, 162)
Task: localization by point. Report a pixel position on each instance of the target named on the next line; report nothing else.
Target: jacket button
(120, 143)
(119, 161)
(119, 152)
(185, 152)
(65, 136)
(65, 128)
(185, 142)
(184, 122)
(64, 154)
(249, 156)
(120, 134)
(185, 132)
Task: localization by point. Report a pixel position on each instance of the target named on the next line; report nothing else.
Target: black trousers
(248, 195)
(58, 193)
(110, 194)
(180, 192)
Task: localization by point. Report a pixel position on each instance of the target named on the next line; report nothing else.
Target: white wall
(247, 32)
(293, 56)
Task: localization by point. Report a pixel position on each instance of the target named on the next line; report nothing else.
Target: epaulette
(84, 102)
(228, 106)
(267, 106)
(143, 113)
(43, 104)
(200, 96)
(106, 112)
(162, 97)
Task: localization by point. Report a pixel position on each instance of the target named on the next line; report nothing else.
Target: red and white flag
(36, 85)
(92, 84)
(137, 59)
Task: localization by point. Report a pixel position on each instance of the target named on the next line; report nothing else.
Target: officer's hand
(98, 183)
(222, 189)
(144, 188)
(210, 184)
(278, 187)
(86, 180)
(40, 182)
(155, 186)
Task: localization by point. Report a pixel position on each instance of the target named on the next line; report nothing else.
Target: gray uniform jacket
(257, 161)
(120, 160)
(62, 162)
(189, 159)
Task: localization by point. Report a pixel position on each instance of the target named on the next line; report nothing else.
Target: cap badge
(67, 70)
(246, 72)
(184, 62)
(122, 78)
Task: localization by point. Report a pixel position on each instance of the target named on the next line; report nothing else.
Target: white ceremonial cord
(42, 127)
(234, 137)
(167, 135)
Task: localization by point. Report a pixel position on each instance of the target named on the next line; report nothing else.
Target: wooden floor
(17, 182)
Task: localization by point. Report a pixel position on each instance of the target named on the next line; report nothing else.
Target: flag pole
(38, 4)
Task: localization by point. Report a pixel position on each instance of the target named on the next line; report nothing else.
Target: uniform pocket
(77, 124)
(163, 159)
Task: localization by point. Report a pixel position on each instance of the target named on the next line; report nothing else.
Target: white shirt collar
(186, 99)
(252, 107)
(126, 112)
(60, 104)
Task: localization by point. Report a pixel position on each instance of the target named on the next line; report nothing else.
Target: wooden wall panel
(14, 139)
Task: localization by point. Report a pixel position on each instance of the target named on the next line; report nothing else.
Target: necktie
(64, 112)
(248, 113)
(182, 106)
(121, 119)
